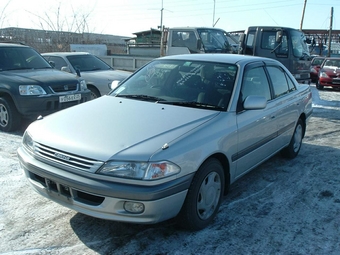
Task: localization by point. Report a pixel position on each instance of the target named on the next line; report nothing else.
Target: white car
(169, 140)
(97, 74)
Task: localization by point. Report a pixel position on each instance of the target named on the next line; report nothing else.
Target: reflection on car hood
(114, 127)
(38, 76)
(109, 75)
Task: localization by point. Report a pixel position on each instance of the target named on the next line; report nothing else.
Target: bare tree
(3, 13)
(62, 30)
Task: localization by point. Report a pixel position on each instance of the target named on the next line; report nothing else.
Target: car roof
(220, 57)
(13, 45)
(66, 53)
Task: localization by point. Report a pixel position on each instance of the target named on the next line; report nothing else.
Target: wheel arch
(93, 87)
(303, 117)
(222, 158)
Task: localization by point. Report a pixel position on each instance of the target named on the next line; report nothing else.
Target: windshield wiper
(142, 97)
(194, 104)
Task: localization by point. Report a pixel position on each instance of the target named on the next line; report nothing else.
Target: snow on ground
(281, 207)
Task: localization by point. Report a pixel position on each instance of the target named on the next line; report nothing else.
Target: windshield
(17, 58)
(184, 83)
(86, 63)
(332, 63)
(300, 47)
(215, 40)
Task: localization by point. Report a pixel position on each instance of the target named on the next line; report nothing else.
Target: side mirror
(255, 103)
(52, 63)
(278, 37)
(65, 69)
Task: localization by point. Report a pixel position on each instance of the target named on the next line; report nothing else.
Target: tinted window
(87, 63)
(279, 80)
(21, 58)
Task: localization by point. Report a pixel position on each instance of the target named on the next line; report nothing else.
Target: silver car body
(98, 80)
(70, 146)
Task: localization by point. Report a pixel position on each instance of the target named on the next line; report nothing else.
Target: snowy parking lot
(281, 207)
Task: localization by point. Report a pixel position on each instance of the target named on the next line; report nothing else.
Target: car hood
(38, 76)
(331, 70)
(109, 75)
(112, 127)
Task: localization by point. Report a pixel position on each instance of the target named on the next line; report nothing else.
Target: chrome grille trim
(52, 156)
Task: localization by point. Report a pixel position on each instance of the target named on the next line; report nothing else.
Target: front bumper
(33, 106)
(105, 199)
(329, 82)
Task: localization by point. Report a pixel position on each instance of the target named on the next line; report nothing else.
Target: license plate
(69, 98)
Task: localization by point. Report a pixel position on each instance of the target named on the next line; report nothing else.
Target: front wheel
(94, 92)
(292, 150)
(318, 86)
(9, 117)
(204, 196)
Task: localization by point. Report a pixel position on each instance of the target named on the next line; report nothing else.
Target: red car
(329, 74)
(315, 67)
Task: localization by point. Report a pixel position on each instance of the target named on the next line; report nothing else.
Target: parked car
(97, 74)
(315, 67)
(329, 74)
(169, 140)
(30, 87)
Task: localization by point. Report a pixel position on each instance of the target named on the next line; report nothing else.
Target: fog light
(134, 207)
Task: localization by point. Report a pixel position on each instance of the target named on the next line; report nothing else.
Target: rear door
(285, 97)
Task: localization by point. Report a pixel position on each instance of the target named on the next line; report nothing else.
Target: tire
(204, 196)
(318, 86)
(94, 92)
(292, 150)
(10, 118)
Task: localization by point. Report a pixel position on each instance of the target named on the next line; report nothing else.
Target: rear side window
(282, 84)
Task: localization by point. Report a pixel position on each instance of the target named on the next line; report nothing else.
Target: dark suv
(30, 87)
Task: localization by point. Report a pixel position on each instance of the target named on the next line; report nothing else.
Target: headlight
(27, 141)
(83, 85)
(31, 90)
(139, 170)
(324, 75)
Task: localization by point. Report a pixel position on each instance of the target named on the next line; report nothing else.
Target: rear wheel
(292, 150)
(10, 118)
(204, 196)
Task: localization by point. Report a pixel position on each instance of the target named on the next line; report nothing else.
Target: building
(52, 41)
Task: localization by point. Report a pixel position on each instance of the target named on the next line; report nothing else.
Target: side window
(255, 83)
(58, 61)
(185, 39)
(279, 81)
(291, 85)
(250, 43)
(268, 40)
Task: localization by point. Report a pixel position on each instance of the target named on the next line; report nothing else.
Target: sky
(125, 17)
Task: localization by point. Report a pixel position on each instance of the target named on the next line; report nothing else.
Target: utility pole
(214, 15)
(162, 33)
(330, 34)
(303, 14)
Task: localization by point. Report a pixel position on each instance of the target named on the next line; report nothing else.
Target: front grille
(67, 192)
(64, 88)
(55, 157)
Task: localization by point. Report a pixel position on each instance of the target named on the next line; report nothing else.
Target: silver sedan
(169, 140)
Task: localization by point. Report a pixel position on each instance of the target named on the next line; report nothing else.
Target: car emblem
(65, 87)
(61, 156)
